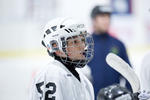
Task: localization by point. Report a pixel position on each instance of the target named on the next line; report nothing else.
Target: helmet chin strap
(75, 63)
(68, 61)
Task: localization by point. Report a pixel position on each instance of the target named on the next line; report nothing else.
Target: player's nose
(82, 47)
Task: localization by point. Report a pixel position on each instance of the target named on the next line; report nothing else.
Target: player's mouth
(83, 54)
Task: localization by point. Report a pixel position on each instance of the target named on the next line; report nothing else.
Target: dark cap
(101, 10)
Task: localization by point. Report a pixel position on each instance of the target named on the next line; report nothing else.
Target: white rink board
(15, 77)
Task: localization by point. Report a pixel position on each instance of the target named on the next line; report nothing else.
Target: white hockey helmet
(59, 30)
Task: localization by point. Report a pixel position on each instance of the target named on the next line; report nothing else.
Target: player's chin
(82, 57)
(78, 58)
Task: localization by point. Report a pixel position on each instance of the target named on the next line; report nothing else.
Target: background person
(104, 43)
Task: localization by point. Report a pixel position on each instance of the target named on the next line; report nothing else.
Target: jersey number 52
(51, 90)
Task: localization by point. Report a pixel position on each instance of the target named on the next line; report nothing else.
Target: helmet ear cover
(54, 45)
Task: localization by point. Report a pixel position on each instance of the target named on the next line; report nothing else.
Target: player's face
(101, 23)
(75, 48)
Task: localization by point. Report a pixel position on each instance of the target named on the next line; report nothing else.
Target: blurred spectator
(104, 43)
(145, 73)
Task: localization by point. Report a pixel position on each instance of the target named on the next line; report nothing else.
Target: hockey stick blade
(124, 69)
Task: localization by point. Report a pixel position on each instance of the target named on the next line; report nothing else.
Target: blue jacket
(102, 74)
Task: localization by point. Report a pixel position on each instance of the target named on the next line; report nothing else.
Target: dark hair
(97, 10)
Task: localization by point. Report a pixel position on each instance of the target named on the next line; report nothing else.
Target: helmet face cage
(71, 39)
(79, 49)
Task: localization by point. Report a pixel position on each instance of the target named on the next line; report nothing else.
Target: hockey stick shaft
(124, 69)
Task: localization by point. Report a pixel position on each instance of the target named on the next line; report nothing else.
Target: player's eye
(75, 41)
(83, 40)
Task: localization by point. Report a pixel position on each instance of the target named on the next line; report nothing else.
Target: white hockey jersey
(56, 82)
(145, 72)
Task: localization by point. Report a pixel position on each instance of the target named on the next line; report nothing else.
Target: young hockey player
(71, 47)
